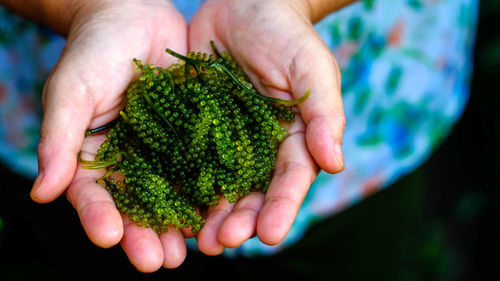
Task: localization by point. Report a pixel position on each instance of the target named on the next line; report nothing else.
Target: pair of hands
(277, 46)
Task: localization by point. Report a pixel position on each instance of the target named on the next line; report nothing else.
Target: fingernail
(339, 155)
(36, 184)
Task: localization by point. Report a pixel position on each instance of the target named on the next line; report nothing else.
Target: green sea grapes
(187, 135)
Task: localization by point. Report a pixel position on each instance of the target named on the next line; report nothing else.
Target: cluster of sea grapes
(189, 134)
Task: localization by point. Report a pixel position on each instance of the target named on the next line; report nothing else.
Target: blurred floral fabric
(27, 53)
(406, 69)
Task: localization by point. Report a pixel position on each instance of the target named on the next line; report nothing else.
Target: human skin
(283, 57)
(318, 9)
(277, 46)
(86, 89)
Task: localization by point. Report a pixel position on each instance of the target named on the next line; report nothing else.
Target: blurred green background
(441, 222)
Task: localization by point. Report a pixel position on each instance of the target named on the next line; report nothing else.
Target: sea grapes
(187, 135)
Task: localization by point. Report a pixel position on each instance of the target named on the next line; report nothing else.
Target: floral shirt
(406, 68)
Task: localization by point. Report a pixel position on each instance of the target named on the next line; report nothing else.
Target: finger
(61, 134)
(241, 224)
(98, 214)
(174, 248)
(208, 242)
(95, 207)
(142, 246)
(314, 67)
(295, 172)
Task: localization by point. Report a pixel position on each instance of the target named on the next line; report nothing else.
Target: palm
(108, 49)
(277, 47)
(104, 46)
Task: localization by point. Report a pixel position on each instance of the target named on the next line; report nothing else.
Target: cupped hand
(275, 43)
(86, 90)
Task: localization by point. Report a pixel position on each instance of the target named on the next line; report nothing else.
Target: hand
(278, 48)
(86, 90)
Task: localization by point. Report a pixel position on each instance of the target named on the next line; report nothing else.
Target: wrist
(304, 7)
(56, 14)
(301, 7)
(60, 15)
(318, 9)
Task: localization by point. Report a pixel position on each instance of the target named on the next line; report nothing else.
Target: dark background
(441, 222)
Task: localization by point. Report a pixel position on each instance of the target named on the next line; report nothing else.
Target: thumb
(68, 108)
(323, 111)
